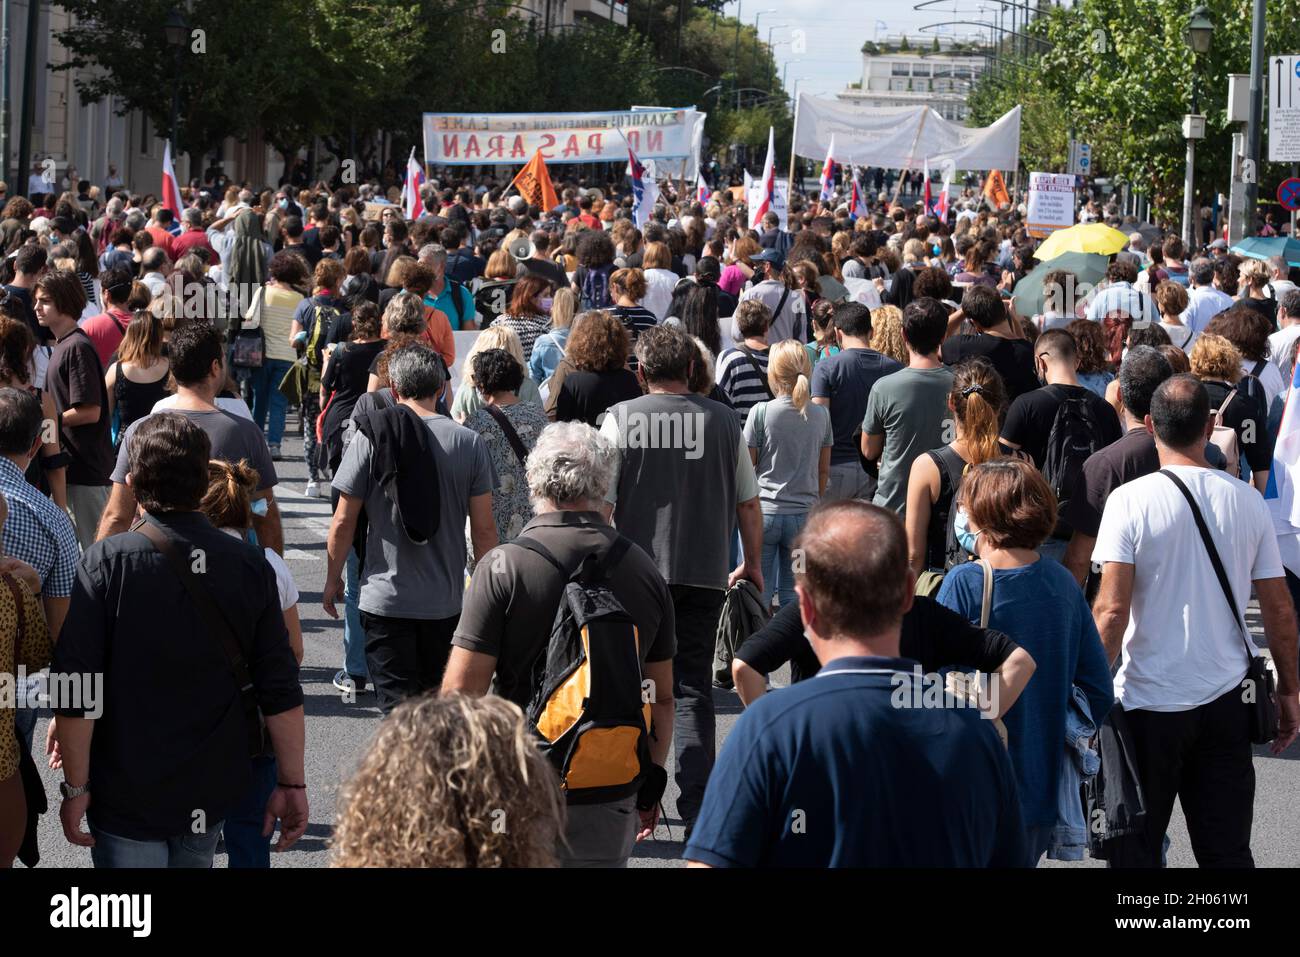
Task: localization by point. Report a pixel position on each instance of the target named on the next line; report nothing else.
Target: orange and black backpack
(589, 708)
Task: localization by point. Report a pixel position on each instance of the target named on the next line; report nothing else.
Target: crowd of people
(995, 543)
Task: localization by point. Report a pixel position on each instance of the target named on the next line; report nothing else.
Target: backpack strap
(456, 287)
(613, 555)
(508, 428)
(753, 361)
(1259, 367)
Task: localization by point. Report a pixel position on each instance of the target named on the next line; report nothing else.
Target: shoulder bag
(1263, 709)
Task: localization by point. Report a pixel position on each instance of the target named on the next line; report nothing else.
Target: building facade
(900, 78)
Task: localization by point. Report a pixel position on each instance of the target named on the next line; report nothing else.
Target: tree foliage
(1120, 73)
(296, 70)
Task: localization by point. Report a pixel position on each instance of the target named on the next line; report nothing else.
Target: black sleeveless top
(134, 400)
(941, 549)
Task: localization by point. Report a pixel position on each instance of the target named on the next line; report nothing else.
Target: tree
(905, 46)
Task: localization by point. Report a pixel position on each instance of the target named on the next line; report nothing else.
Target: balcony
(610, 10)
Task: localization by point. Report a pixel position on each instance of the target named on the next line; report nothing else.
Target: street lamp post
(177, 31)
(1200, 31)
(753, 63)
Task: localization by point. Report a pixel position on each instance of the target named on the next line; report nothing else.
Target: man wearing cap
(787, 304)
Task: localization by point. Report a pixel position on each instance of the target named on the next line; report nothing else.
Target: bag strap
(512, 436)
(217, 625)
(780, 304)
(986, 602)
(753, 361)
(1214, 556)
(613, 555)
(1259, 367)
(1218, 413)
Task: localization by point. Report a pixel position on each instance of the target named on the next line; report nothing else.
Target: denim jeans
(185, 850)
(779, 533)
(1054, 548)
(268, 401)
(694, 732)
(354, 637)
(245, 844)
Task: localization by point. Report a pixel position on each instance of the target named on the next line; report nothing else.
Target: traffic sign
(1284, 108)
(1080, 159)
(1288, 194)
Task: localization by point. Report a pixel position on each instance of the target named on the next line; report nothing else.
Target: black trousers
(1203, 757)
(695, 725)
(406, 656)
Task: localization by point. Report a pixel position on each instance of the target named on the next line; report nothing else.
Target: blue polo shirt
(445, 303)
(829, 773)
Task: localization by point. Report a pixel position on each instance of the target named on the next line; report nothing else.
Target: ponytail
(800, 394)
(978, 398)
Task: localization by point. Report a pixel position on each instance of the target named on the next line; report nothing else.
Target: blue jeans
(779, 533)
(245, 844)
(268, 400)
(186, 850)
(1054, 548)
(354, 636)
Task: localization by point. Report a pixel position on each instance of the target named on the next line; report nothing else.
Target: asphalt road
(338, 732)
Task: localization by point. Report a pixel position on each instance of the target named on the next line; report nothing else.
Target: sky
(833, 36)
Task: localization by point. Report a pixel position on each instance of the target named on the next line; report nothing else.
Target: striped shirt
(742, 383)
(636, 320)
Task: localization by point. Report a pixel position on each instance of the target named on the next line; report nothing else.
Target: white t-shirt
(1269, 377)
(1182, 648)
(234, 406)
(284, 582)
(1281, 347)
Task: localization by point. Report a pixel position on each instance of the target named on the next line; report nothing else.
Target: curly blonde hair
(450, 781)
(1215, 359)
(887, 333)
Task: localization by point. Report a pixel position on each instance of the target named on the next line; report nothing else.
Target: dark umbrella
(1087, 268)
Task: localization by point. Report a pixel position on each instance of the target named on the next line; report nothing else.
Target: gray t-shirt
(789, 451)
(233, 438)
(909, 408)
(401, 579)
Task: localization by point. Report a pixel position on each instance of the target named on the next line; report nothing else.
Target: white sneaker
(312, 490)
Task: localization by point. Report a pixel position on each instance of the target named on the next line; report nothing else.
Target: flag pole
(794, 130)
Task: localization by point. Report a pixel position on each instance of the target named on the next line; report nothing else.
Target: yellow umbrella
(1084, 238)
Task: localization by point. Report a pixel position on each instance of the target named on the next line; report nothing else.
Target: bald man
(852, 768)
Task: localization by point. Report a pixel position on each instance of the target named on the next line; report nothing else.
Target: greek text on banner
(460, 139)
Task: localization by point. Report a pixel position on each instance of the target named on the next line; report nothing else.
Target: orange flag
(534, 184)
(996, 190)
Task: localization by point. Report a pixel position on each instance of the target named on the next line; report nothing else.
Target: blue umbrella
(1266, 247)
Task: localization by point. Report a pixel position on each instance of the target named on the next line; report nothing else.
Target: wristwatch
(69, 792)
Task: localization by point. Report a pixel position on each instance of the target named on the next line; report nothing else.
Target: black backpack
(1075, 435)
(590, 709)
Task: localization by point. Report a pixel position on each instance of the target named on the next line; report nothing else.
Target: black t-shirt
(1265, 307)
(585, 396)
(1131, 456)
(1247, 415)
(1030, 417)
(348, 373)
(76, 377)
(1013, 358)
(935, 636)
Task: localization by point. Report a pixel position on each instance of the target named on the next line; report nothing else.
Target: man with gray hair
(1280, 271)
(1204, 301)
(193, 236)
(453, 299)
(417, 475)
(511, 603)
(154, 264)
(1282, 344)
